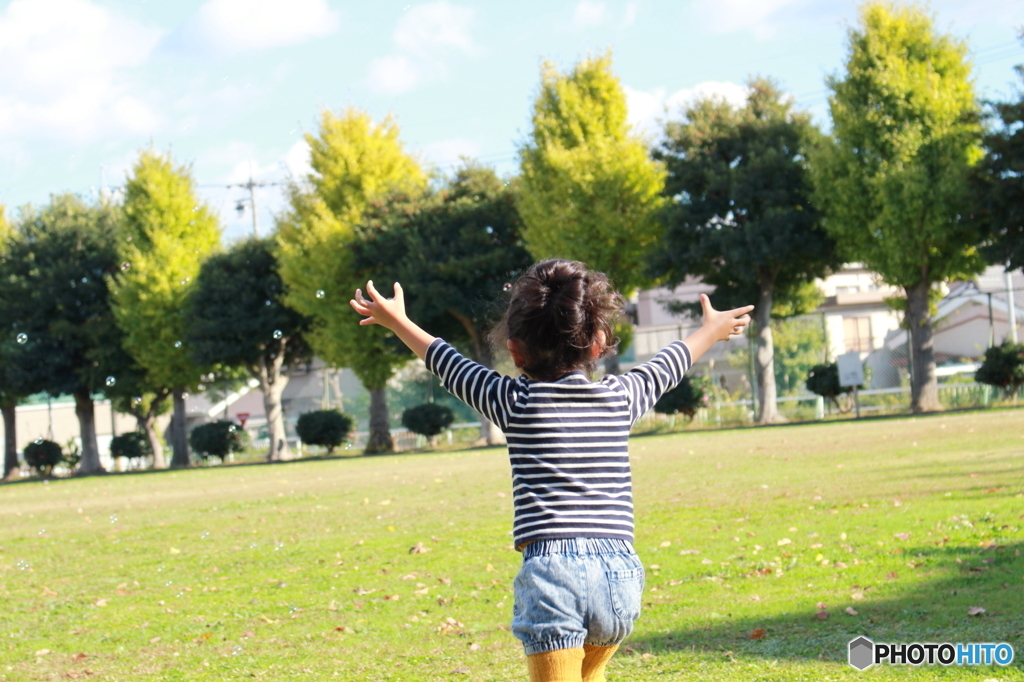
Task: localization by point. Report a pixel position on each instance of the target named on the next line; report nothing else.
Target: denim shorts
(576, 591)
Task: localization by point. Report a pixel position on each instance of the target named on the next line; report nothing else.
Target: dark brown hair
(556, 310)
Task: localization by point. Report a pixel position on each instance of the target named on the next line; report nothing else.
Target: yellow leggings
(570, 665)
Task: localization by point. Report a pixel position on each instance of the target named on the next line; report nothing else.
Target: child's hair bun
(557, 311)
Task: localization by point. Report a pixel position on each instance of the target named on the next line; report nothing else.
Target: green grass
(303, 571)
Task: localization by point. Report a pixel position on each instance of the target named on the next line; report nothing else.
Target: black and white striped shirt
(567, 439)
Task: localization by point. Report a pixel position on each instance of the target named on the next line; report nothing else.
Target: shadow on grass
(936, 611)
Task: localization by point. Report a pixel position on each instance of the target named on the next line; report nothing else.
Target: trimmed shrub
(327, 428)
(131, 445)
(43, 455)
(428, 420)
(686, 398)
(218, 439)
(1003, 366)
(823, 380)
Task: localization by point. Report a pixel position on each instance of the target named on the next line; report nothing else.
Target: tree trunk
(85, 410)
(767, 409)
(924, 386)
(272, 383)
(380, 425)
(611, 363)
(179, 432)
(490, 434)
(12, 470)
(147, 424)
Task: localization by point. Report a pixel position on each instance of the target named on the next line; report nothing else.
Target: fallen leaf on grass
(47, 592)
(419, 548)
(203, 637)
(902, 536)
(474, 647)
(850, 610)
(101, 602)
(975, 611)
(391, 597)
(783, 542)
(759, 633)
(666, 543)
(79, 657)
(154, 640)
(689, 551)
(460, 671)
(822, 614)
(175, 550)
(360, 591)
(857, 595)
(43, 652)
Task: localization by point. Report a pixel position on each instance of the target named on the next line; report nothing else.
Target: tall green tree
(55, 295)
(9, 395)
(167, 233)
(454, 251)
(355, 161)
(589, 190)
(999, 184)
(237, 318)
(740, 215)
(893, 180)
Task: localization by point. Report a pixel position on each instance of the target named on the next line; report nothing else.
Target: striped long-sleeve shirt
(567, 439)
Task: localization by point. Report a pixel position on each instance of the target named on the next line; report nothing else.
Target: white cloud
(426, 38)
(648, 109)
(762, 17)
(67, 70)
(448, 153)
(296, 159)
(233, 26)
(588, 13)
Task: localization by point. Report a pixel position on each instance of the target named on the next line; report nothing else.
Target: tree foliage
(689, 396)
(43, 455)
(218, 439)
(740, 215)
(60, 333)
(588, 189)
(429, 419)
(130, 445)
(327, 428)
(999, 184)
(238, 318)
(1003, 366)
(823, 380)
(355, 161)
(894, 181)
(167, 234)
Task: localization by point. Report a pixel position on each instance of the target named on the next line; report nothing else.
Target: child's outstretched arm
(390, 313)
(718, 325)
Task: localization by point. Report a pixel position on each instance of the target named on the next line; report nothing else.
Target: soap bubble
(111, 381)
(506, 287)
(278, 334)
(320, 293)
(113, 518)
(125, 265)
(137, 400)
(177, 344)
(22, 338)
(269, 302)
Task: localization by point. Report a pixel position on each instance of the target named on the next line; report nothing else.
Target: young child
(578, 592)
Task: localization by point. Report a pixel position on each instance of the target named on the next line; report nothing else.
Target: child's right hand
(722, 324)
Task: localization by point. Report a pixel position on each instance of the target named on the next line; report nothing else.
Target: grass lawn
(767, 551)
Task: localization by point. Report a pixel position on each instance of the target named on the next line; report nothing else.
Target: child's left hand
(724, 323)
(387, 312)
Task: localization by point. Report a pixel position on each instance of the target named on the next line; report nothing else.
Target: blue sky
(232, 85)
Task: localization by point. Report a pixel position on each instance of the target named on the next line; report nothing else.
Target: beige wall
(33, 422)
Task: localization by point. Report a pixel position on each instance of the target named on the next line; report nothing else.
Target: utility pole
(251, 185)
(1009, 303)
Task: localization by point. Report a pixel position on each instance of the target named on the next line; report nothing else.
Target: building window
(857, 334)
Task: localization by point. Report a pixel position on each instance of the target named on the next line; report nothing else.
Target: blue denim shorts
(576, 591)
